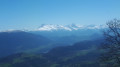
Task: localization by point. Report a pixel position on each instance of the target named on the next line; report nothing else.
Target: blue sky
(20, 14)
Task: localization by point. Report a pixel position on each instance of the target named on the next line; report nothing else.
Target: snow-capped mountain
(52, 27)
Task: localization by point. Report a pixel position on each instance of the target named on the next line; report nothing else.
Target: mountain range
(71, 27)
(15, 41)
(56, 27)
(69, 34)
(56, 47)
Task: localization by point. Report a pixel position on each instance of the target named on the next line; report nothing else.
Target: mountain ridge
(57, 27)
(19, 41)
(71, 27)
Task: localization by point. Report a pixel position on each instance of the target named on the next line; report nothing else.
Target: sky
(30, 14)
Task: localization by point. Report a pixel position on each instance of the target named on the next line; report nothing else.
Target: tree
(111, 45)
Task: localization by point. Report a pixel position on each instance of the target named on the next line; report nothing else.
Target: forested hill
(19, 41)
(81, 54)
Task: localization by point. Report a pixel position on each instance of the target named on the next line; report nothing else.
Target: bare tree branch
(111, 46)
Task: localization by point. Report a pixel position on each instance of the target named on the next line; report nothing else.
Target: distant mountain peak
(56, 27)
(71, 27)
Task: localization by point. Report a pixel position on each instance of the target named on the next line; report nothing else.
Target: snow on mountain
(13, 30)
(51, 27)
